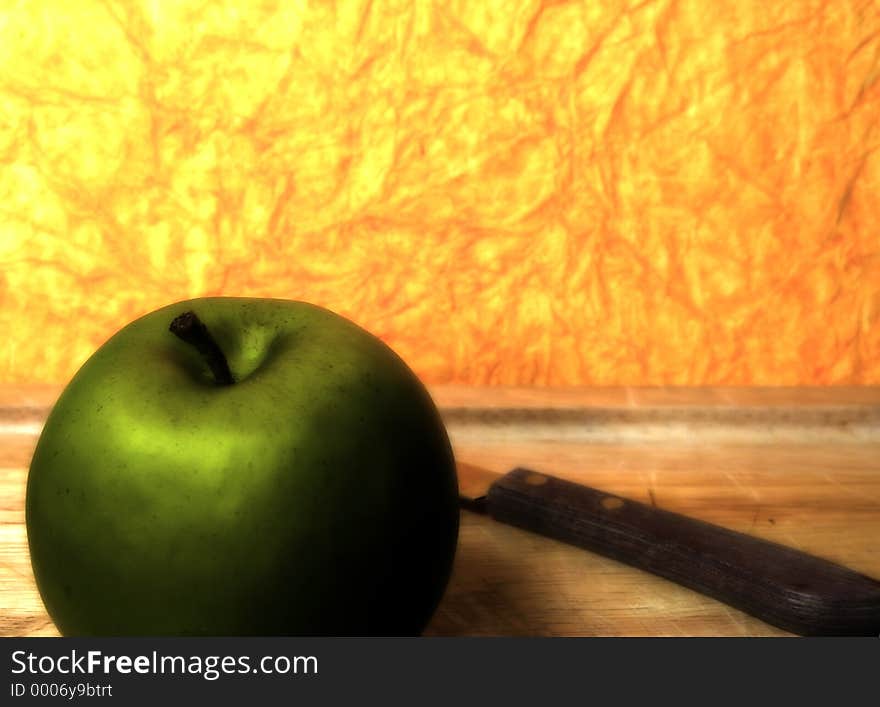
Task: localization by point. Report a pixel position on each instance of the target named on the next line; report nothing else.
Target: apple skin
(315, 496)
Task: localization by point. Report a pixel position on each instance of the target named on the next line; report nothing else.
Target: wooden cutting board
(800, 466)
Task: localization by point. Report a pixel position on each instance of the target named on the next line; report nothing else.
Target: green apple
(264, 467)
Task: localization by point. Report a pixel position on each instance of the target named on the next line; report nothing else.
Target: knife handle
(782, 586)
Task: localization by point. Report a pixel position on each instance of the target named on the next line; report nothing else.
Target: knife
(782, 586)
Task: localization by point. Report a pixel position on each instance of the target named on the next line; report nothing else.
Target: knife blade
(780, 585)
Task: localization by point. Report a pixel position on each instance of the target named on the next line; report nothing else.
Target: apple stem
(190, 329)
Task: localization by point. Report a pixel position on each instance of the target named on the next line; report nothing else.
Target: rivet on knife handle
(780, 585)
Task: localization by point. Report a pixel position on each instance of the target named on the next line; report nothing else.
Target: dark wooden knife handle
(782, 586)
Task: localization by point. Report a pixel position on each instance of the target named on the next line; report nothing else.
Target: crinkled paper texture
(506, 192)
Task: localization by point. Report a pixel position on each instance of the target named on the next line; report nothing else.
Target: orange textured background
(507, 192)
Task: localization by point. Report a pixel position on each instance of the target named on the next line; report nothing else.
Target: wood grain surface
(800, 466)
